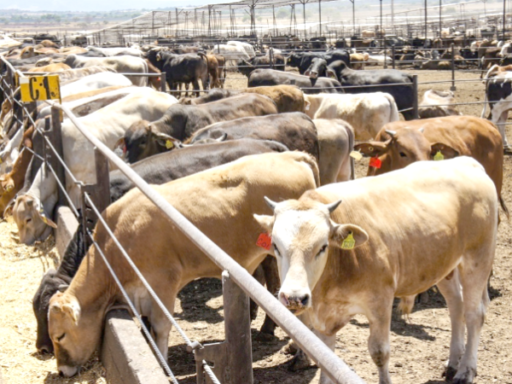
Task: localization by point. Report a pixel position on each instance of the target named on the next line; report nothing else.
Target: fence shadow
(194, 297)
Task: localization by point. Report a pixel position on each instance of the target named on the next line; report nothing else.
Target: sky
(99, 5)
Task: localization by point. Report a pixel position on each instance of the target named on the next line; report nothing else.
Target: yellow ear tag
(169, 144)
(438, 156)
(9, 187)
(356, 155)
(349, 242)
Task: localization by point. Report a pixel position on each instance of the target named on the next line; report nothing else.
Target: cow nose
(45, 349)
(295, 300)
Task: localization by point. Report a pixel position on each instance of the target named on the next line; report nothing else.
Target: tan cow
(50, 68)
(351, 248)
(357, 60)
(402, 143)
(496, 70)
(288, 98)
(224, 214)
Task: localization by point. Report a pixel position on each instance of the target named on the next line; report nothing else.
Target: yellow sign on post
(37, 88)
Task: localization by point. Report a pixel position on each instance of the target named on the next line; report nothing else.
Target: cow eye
(276, 251)
(322, 250)
(28, 220)
(402, 154)
(61, 337)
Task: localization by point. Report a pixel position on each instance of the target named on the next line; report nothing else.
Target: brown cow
(357, 60)
(235, 191)
(288, 98)
(214, 71)
(497, 70)
(12, 182)
(490, 57)
(48, 44)
(401, 143)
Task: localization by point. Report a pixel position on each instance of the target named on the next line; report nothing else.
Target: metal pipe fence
(237, 282)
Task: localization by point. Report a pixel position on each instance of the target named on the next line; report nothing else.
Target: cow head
(303, 235)
(142, 140)
(401, 148)
(294, 59)
(50, 284)
(33, 221)
(317, 68)
(75, 334)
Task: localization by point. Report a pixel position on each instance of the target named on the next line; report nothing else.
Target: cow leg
(259, 275)
(269, 266)
(196, 88)
(330, 341)
(474, 277)
(451, 291)
(378, 342)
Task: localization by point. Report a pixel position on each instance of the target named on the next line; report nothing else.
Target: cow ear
(167, 141)
(347, 236)
(331, 74)
(63, 287)
(372, 148)
(266, 222)
(72, 309)
(9, 185)
(440, 151)
(45, 219)
(120, 144)
(9, 208)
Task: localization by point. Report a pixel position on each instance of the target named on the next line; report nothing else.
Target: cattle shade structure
(304, 338)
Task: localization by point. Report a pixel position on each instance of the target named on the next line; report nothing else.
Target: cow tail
(202, 55)
(394, 108)
(311, 161)
(504, 207)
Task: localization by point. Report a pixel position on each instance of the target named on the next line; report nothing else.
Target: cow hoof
(449, 373)
(299, 362)
(466, 377)
(265, 337)
(290, 348)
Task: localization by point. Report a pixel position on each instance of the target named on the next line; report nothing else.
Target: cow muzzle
(67, 371)
(313, 75)
(296, 301)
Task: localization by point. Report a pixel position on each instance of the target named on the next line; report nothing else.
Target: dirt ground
(419, 346)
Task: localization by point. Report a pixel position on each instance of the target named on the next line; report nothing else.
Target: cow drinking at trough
(144, 139)
(76, 317)
(303, 60)
(350, 248)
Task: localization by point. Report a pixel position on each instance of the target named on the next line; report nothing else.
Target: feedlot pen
(419, 345)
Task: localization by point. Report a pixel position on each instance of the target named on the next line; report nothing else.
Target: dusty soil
(419, 346)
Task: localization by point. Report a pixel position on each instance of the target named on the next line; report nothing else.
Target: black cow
(294, 129)
(53, 281)
(267, 77)
(181, 69)
(172, 165)
(302, 60)
(403, 94)
(498, 94)
(144, 139)
(245, 67)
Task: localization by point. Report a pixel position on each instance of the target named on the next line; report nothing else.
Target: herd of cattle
(272, 163)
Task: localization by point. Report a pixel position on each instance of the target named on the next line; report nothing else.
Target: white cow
(121, 51)
(350, 248)
(232, 53)
(367, 113)
(248, 48)
(108, 124)
(96, 81)
(121, 64)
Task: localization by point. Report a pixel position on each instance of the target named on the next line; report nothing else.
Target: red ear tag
(124, 149)
(375, 162)
(264, 241)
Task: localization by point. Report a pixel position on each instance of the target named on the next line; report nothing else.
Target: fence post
(415, 96)
(393, 55)
(453, 88)
(232, 358)
(385, 53)
(271, 57)
(54, 134)
(163, 87)
(99, 193)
